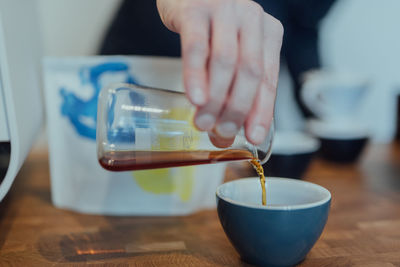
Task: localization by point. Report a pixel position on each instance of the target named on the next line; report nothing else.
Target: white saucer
(338, 129)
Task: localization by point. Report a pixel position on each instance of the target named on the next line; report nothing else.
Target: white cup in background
(333, 95)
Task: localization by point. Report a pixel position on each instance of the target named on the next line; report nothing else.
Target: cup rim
(276, 207)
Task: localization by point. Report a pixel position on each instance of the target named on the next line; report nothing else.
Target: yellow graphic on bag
(178, 134)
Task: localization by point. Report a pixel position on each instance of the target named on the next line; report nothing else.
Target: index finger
(259, 120)
(195, 49)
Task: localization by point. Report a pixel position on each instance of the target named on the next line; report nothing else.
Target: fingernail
(205, 122)
(197, 96)
(258, 134)
(227, 129)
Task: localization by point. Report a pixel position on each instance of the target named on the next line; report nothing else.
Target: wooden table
(363, 227)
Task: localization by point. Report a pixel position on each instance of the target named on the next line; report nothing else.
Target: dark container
(345, 151)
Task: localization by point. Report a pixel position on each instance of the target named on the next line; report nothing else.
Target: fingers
(230, 51)
(249, 71)
(195, 49)
(223, 56)
(258, 123)
(260, 117)
(220, 142)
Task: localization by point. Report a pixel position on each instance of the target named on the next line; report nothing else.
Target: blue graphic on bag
(82, 113)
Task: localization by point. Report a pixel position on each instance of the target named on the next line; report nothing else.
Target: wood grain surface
(363, 228)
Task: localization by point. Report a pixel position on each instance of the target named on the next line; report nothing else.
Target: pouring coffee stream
(260, 171)
(142, 128)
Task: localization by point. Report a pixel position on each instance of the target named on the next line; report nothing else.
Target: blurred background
(355, 99)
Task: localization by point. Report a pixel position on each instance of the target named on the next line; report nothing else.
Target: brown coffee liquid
(260, 171)
(143, 160)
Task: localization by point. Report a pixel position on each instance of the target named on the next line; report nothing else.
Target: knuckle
(278, 27)
(270, 85)
(225, 58)
(197, 47)
(255, 9)
(275, 26)
(189, 7)
(221, 3)
(252, 10)
(253, 68)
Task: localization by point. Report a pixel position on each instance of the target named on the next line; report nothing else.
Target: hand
(230, 51)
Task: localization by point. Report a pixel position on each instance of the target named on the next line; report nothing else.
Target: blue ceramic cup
(281, 233)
